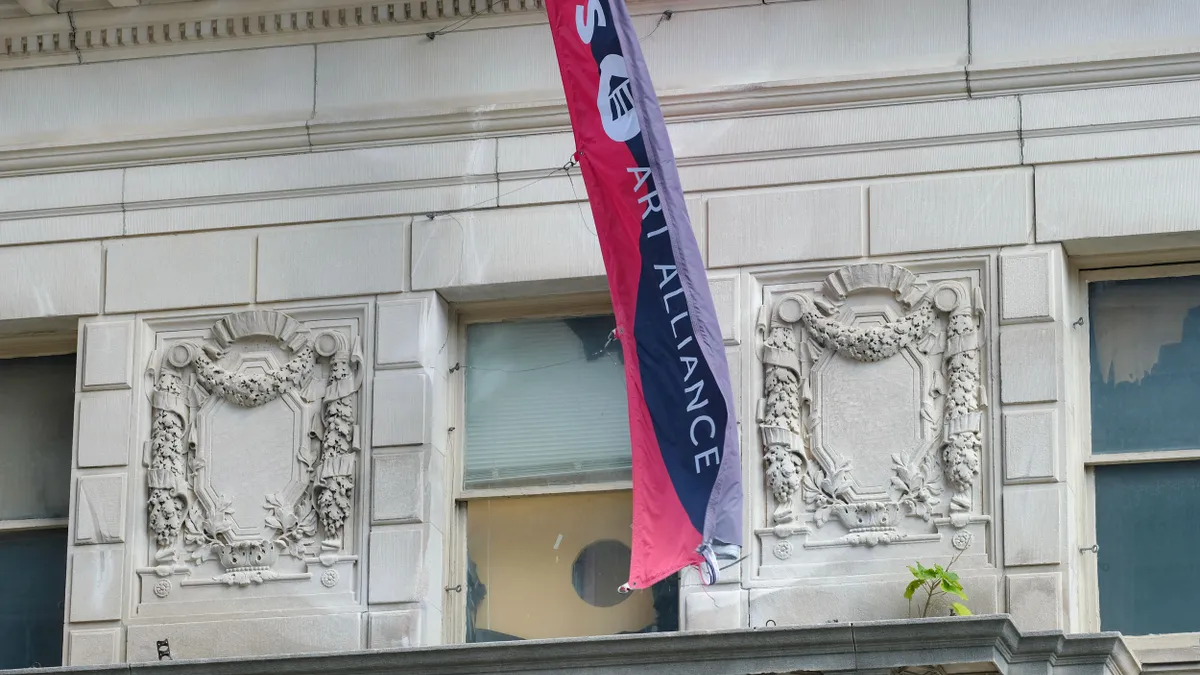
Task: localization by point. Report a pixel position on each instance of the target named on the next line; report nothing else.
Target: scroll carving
(937, 332)
(192, 524)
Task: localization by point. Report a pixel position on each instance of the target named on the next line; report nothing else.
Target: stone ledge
(990, 643)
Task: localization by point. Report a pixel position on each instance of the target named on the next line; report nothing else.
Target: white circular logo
(615, 100)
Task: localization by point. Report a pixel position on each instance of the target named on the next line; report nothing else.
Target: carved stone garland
(181, 524)
(793, 339)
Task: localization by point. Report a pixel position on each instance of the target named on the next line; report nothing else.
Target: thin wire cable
(579, 206)
(665, 16)
(457, 25)
(612, 337)
(471, 207)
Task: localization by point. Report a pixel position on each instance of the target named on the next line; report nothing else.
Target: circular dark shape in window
(600, 569)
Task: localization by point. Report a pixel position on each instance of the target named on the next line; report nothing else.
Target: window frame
(36, 344)
(1149, 648)
(464, 315)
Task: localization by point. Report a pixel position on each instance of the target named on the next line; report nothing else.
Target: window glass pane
(37, 406)
(1149, 539)
(1145, 380)
(545, 403)
(33, 577)
(549, 567)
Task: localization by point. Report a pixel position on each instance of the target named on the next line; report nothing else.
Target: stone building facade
(299, 249)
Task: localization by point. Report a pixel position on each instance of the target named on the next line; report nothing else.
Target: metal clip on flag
(687, 484)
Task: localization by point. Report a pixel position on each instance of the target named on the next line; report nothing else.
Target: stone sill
(981, 644)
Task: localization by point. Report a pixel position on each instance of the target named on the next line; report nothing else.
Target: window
(544, 490)
(37, 405)
(1144, 463)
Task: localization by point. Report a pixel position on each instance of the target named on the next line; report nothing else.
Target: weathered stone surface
(716, 610)
(103, 428)
(107, 354)
(1035, 601)
(1026, 286)
(1031, 445)
(291, 635)
(1028, 544)
(100, 509)
(1029, 364)
(97, 576)
(93, 647)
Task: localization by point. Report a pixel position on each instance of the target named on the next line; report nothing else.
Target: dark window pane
(1145, 370)
(33, 574)
(1148, 534)
(37, 405)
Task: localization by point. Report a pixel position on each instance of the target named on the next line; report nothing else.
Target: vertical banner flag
(687, 492)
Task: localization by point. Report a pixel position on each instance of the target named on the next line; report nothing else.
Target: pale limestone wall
(308, 172)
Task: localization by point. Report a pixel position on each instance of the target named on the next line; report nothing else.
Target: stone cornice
(222, 25)
(400, 126)
(860, 647)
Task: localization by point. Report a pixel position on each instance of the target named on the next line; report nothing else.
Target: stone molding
(989, 643)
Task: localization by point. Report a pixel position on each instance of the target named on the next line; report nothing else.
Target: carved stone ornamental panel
(252, 459)
(872, 418)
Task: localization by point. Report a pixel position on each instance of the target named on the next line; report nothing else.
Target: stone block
(497, 247)
(50, 280)
(1033, 520)
(409, 487)
(401, 408)
(734, 358)
(326, 261)
(847, 601)
(1035, 601)
(97, 647)
(395, 630)
(1010, 32)
(107, 355)
(140, 98)
(59, 190)
(716, 610)
(317, 206)
(726, 300)
(102, 429)
(285, 635)
(311, 171)
(100, 509)
(926, 34)
(1029, 364)
(401, 331)
(1030, 445)
(398, 487)
(968, 210)
(786, 226)
(1088, 201)
(1027, 290)
(47, 229)
(97, 576)
(406, 565)
(188, 270)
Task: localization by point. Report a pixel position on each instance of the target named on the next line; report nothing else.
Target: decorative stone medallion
(872, 407)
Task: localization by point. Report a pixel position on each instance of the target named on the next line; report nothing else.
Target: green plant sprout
(935, 582)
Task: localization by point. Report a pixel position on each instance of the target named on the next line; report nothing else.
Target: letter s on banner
(586, 29)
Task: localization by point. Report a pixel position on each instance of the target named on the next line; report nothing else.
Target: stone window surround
(1149, 648)
(464, 314)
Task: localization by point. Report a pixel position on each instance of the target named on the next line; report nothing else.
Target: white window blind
(545, 403)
